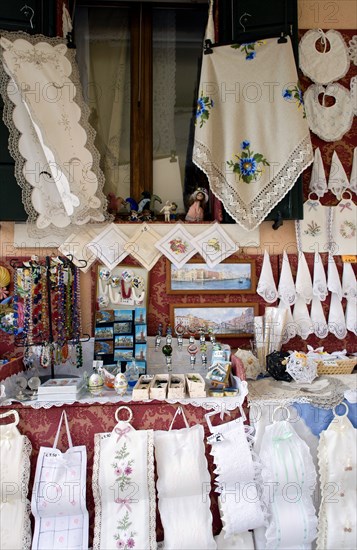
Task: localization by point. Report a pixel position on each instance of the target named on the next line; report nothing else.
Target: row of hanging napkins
(337, 181)
(305, 291)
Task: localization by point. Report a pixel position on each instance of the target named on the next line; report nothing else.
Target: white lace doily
(352, 49)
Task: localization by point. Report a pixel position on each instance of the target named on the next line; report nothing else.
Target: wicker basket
(343, 366)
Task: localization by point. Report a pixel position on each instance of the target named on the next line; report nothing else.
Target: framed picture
(229, 277)
(123, 354)
(124, 341)
(124, 327)
(223, 320)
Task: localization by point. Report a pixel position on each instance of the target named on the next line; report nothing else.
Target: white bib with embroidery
(326, 66)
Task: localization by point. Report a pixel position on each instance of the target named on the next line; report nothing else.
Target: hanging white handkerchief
(318, 318)
(329, 65)
(318, 183)
(353, 178)
(349, 283)
(59, 497)
(337, 181)
(286, 287)
(319, 286)
(287, 464)
(266, 286)
(124, 488)
(238, 159)
(239, 513)
(302, 319)
(15, 451)
(313, 231)
(290, 328)
(182, 477)
(344, 239)
(353, 92)
(336, 318)
(303, 283)
(333, 278)
(351, 316)
(338, 466)
(330, 123)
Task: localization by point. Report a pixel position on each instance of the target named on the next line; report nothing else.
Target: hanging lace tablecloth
(15, 450)
(252, 139)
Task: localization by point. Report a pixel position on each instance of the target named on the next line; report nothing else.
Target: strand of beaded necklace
(77, 317)
(68, 280)
(16, 302)
(61, 309)
(46, 359)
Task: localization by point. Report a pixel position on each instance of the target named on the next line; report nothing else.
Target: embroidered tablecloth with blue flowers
(251, 136)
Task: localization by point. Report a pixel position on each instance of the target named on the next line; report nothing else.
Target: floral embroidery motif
(248, 163)
(294, 94)
(123, 469)
(313, 229)
(215, 244)
(204, 103)
(348, 229)
(178, 246)
(248, 48)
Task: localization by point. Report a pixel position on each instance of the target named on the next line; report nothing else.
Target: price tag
(215, 438)
(349, 259)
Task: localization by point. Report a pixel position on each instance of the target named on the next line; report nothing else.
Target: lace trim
(322, 462)
(96, 493)
(98, 214)
(352, 49)
(249, 217)
(27, 536)
(26, 470)
(151, 489)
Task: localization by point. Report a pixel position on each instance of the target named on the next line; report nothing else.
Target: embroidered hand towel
(353, 178)
(246, 169)
(344, 236)
(313, 232)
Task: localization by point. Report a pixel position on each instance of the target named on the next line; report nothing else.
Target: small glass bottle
(132, 374)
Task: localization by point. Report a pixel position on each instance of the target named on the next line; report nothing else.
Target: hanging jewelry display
(49, 293)
(123, 286)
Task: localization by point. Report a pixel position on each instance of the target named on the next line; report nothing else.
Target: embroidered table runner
(252, 139)
(124, 489)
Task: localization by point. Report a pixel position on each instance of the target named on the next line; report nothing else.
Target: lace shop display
(344, 236)
(329, 123)
(59, 496)
(237, 479)
(56, 162)
(289, 478)
(15, 451)
(326, 66)
(183, 487)
(338, 466)
(246, 170)
(124, 487)
(313, 232)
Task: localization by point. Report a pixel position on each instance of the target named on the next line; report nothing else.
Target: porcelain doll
(166, 209)
(197, 201)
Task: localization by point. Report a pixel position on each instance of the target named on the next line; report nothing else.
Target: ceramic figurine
(153, 200)
(115, 203)
(197, 202)
(144, 201)
(173, 213)
(166, 209)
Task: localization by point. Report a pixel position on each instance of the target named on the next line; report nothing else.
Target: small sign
(215, 438)
(349, 259)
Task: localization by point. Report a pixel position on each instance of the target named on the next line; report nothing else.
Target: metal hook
(245, 14)
(28, 12)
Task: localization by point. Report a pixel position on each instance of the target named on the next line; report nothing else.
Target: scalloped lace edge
(14, 136)
(321, 541)
(298, 160)
(151, 489)
(26, 453)
(96, 493)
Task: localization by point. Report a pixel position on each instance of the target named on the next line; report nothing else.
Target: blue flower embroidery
(248, 48)
(294, 94)
(204, 103)
(247, 164)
